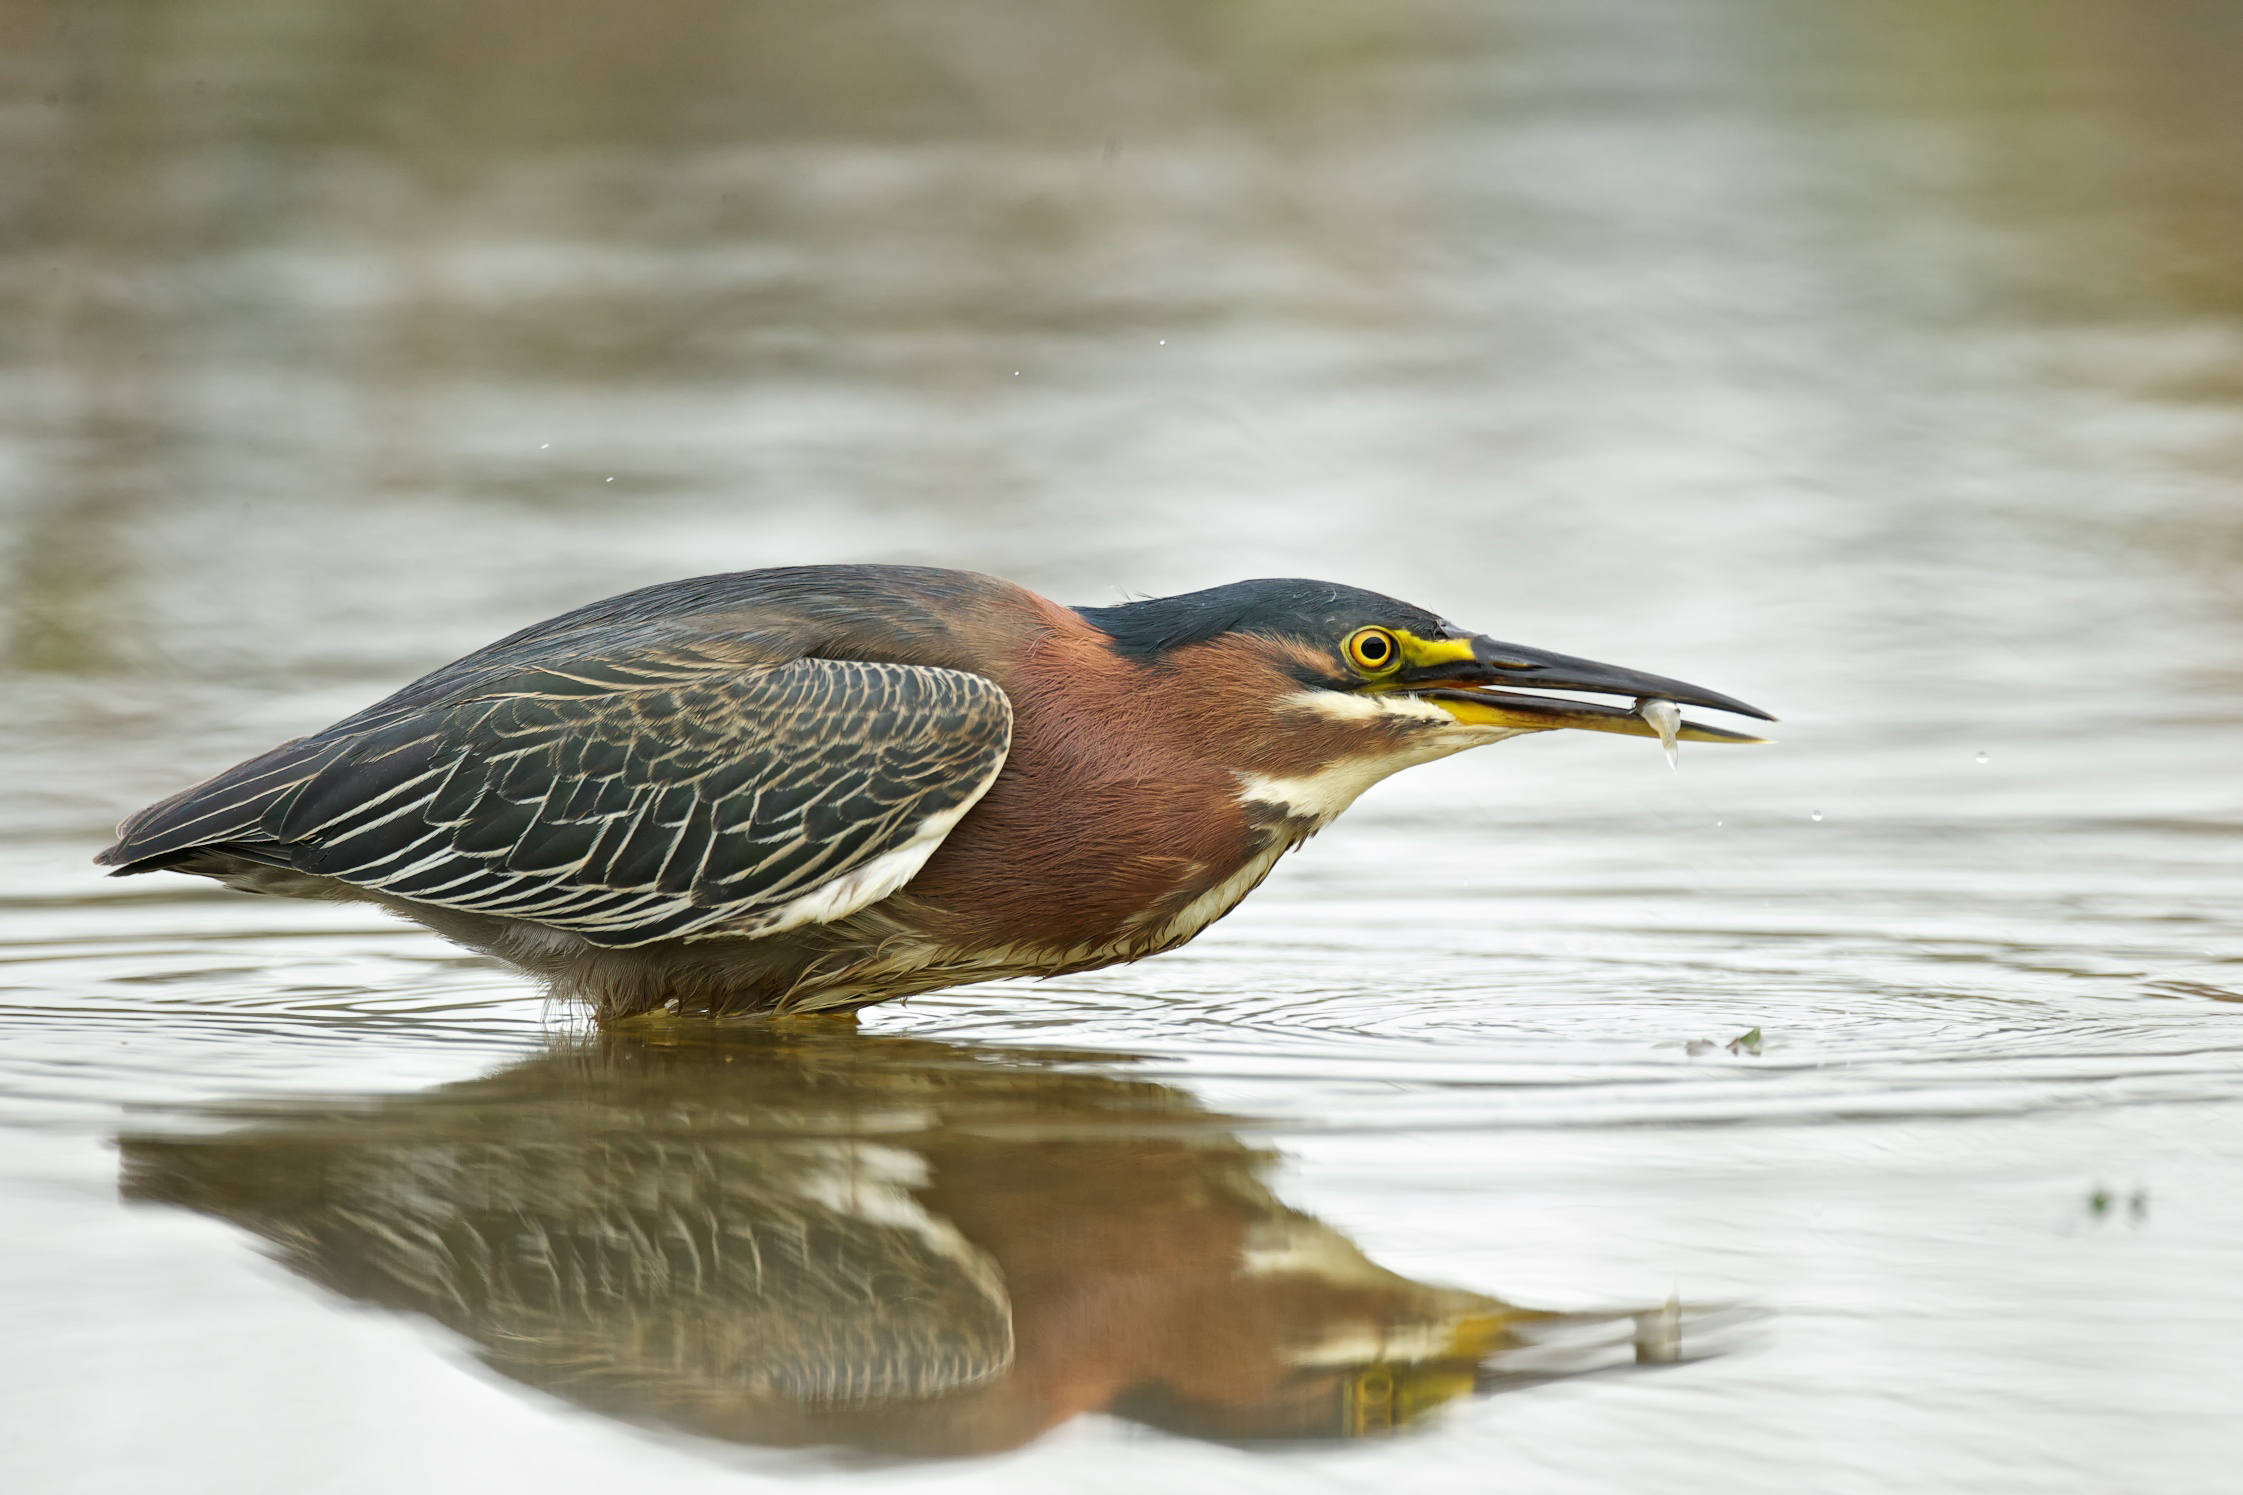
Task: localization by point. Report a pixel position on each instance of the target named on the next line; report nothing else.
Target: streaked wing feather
(626, 799)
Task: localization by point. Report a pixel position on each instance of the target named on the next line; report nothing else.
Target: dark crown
(1318, 612)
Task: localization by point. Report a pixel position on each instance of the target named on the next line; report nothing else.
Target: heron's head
(1330, 681)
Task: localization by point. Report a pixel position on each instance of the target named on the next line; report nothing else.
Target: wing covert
(630, 800)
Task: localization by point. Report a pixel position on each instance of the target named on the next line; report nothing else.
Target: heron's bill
(1530, 713)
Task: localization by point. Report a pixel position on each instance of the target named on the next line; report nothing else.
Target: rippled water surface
(1860, 1113)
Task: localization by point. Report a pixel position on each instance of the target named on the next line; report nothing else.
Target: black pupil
(1373, 648)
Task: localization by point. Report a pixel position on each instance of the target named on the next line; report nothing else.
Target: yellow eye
(1374, 651)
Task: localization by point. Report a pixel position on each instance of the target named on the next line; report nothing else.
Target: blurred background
(1881, 364)
(336, 336)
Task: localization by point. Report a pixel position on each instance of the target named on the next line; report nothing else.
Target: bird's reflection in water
(798, 1237)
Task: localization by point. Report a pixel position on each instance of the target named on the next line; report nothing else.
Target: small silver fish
(1665, 718)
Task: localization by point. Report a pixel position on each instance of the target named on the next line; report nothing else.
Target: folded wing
(648, 795)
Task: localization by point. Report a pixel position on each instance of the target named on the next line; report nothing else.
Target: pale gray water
(1882, 365)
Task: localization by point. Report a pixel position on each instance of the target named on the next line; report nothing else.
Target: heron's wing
(633, 798)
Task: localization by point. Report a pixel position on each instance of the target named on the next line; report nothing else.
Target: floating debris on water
(2102, 1204)
(1746, 1043)
(1665, 718)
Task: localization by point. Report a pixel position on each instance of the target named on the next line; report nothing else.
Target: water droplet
(1164, 342)
(612, 480)
(1814, 815)
(545, 446)
(1016, 373)
(1982, 757)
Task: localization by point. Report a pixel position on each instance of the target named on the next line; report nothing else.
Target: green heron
(810, 788)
